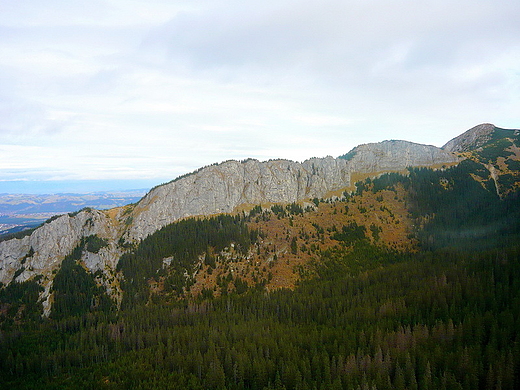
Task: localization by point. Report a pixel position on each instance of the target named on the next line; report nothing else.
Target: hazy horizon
(74, 186)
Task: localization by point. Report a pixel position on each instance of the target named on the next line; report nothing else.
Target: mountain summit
(473, 139)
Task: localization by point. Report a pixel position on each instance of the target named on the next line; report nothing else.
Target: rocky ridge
(224, 187)
(221, 188)
(471, 139)
(396, 155)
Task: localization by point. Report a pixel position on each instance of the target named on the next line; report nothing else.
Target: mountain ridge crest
(214, 189)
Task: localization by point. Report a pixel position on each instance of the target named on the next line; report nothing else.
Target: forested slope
(434, 320)
(412, 281)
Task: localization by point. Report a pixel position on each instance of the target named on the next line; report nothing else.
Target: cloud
(122, 88)
(358, 32)
(414, 54)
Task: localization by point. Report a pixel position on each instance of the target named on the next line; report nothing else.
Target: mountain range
(394, 265)
(231, 187)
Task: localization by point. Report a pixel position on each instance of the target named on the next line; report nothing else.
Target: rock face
(396, 156)
(220, 188)
(42, 252)
(471, 139)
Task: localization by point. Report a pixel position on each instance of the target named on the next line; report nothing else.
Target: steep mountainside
(228, 187)
(395, 156)
(497, 150)
(40, 253)
(348, 277)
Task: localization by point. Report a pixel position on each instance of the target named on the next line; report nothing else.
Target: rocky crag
(472, 139)
(220, 188)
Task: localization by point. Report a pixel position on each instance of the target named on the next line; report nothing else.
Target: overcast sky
(134, 93)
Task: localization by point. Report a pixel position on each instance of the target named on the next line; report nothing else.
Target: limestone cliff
(41, 252)
(396, 156)
(222, 188)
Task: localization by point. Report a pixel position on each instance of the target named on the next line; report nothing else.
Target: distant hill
(65, 203)
(20, 211)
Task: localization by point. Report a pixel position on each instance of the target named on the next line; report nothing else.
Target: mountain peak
(471, 139)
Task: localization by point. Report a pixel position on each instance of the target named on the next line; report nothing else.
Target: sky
(114, 94)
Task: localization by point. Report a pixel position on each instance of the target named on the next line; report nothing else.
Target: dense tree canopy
(433, 320)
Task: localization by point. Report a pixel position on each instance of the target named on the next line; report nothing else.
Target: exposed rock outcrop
(471, 139)
(222, 188)
(396, 156)
(42, 252)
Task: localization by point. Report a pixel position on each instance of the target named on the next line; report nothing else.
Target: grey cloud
(334, 36)
(232, 78)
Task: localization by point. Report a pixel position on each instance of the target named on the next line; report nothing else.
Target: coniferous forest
(436, 320)
(365, 316)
